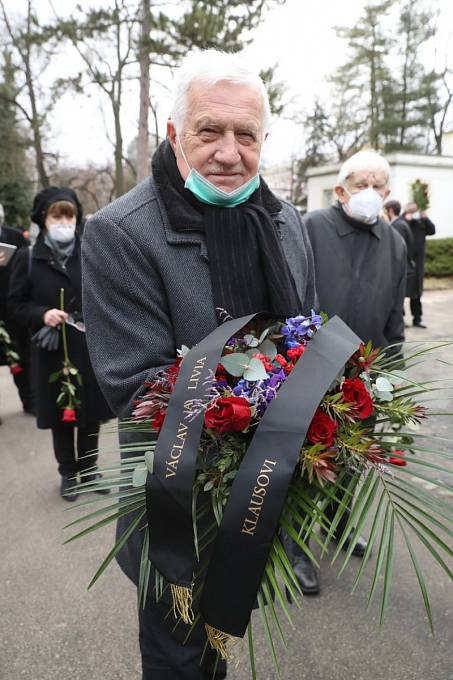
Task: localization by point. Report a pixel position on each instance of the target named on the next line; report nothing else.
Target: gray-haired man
(360, 267)
(204, 234)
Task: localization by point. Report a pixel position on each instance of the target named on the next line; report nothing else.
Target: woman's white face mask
(62, 233)
(364, 206)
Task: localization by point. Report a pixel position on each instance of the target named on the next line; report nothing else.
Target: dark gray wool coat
(360, 274)
(147, 291)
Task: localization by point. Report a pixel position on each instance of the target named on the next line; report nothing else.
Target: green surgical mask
(206, 192)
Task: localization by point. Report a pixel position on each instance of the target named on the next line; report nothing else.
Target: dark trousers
(63, 436)
(165, 657)
(23, 384)
(416, 309)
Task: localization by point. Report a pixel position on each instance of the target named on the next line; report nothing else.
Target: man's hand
(53, 317)
(2, 259)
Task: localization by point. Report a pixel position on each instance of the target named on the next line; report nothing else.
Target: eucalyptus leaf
(255, 371)
(183, 351)
(264, 335)
(140, 475)
(385, 396)
(383, 385)
(235, 364)
(269, 349)
(251, 340)
(149, 461)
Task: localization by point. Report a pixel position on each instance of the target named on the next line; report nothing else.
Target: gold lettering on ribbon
(176, 451)
(195, 377)
(257, 498)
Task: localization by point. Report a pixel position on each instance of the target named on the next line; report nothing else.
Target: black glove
(47, 338)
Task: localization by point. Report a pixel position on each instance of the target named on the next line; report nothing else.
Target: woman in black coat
(19, 336)
(34, 300)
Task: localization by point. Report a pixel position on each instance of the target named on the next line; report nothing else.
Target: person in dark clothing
(421, 227)
(34, 299)
(360, 270)
(393, 212)
(19, 336)
(204, 234)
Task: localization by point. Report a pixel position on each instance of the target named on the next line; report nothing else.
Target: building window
(327, 198)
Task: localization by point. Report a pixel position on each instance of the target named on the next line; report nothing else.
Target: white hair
(2, 215)
(210, 67)
(363, 160)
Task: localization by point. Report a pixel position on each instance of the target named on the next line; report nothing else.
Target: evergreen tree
(406, 97)
(118, 27)
(15, 186)
(365, 75)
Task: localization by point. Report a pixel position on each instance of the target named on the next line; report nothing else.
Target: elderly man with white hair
(204, 235)
(360, 269)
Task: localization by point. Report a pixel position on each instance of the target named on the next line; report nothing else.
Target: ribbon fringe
(182, 603)
(220, 641)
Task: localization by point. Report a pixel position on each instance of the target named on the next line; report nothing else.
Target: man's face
(221, 135)
(363, 179)
(410, 210)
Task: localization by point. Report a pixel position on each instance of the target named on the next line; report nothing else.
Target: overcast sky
(298, 37)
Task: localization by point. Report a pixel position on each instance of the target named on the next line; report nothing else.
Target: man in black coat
(393, 212)
(360, 271)
(19, 336)
(421, 227)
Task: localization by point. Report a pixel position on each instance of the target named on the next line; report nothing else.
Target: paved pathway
(51, 628)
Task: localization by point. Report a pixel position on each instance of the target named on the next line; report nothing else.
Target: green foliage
(15, 186)
(439, 257)
(420, 194)
(383, 95)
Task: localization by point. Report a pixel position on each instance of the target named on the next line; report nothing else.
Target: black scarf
(248, 268)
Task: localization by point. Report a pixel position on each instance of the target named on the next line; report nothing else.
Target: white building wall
(440, 183)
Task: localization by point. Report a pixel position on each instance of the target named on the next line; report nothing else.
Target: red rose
(15, 369)
(355, 393)
(158, 420)
(295, 352)
(397, 461)
(69, 416)
(322, 429)
(228, 414)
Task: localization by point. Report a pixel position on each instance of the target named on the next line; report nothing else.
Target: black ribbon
(169, 488)
(259, 490)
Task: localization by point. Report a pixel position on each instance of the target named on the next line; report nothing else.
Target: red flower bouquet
(346, 450)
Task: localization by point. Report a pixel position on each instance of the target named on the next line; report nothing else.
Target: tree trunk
(35, 126)
(119, 172)
(143, 127)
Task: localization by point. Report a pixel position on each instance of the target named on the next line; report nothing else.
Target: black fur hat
(44, 199)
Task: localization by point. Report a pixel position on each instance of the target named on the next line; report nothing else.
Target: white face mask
(416, 215)
(62, 233)
(364, 206)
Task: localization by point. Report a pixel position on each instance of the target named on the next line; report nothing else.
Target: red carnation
(355, 393)
(15, 369)
(397, 461)
(158, 420)
(295, 352)
(228, 414)
(173, 371)
(322, 429)
(69, 416)
(220, 374)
